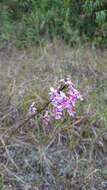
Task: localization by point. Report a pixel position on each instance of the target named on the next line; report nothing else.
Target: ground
(63, 155)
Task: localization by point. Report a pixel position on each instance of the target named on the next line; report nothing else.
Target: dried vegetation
(66, 155)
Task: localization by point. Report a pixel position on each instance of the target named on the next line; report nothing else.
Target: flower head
(64, 101)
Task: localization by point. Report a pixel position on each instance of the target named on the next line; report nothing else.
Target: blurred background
(41, 42)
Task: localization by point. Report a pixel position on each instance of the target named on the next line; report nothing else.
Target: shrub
(71, 20)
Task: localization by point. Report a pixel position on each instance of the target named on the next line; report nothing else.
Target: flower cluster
(64, 101)
(61, 101)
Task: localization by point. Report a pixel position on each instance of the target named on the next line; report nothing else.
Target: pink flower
(32, 109)
(75, 94)
(54, 94)
(57, 113)
(46, 117)
(71, 111)
(79, 96)
(69, 83)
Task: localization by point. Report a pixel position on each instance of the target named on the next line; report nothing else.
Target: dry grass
(66, 155)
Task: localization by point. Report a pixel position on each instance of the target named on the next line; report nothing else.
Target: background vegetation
(30, 21)
(42, 41)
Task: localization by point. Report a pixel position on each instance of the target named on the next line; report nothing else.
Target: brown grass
(67, 155)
